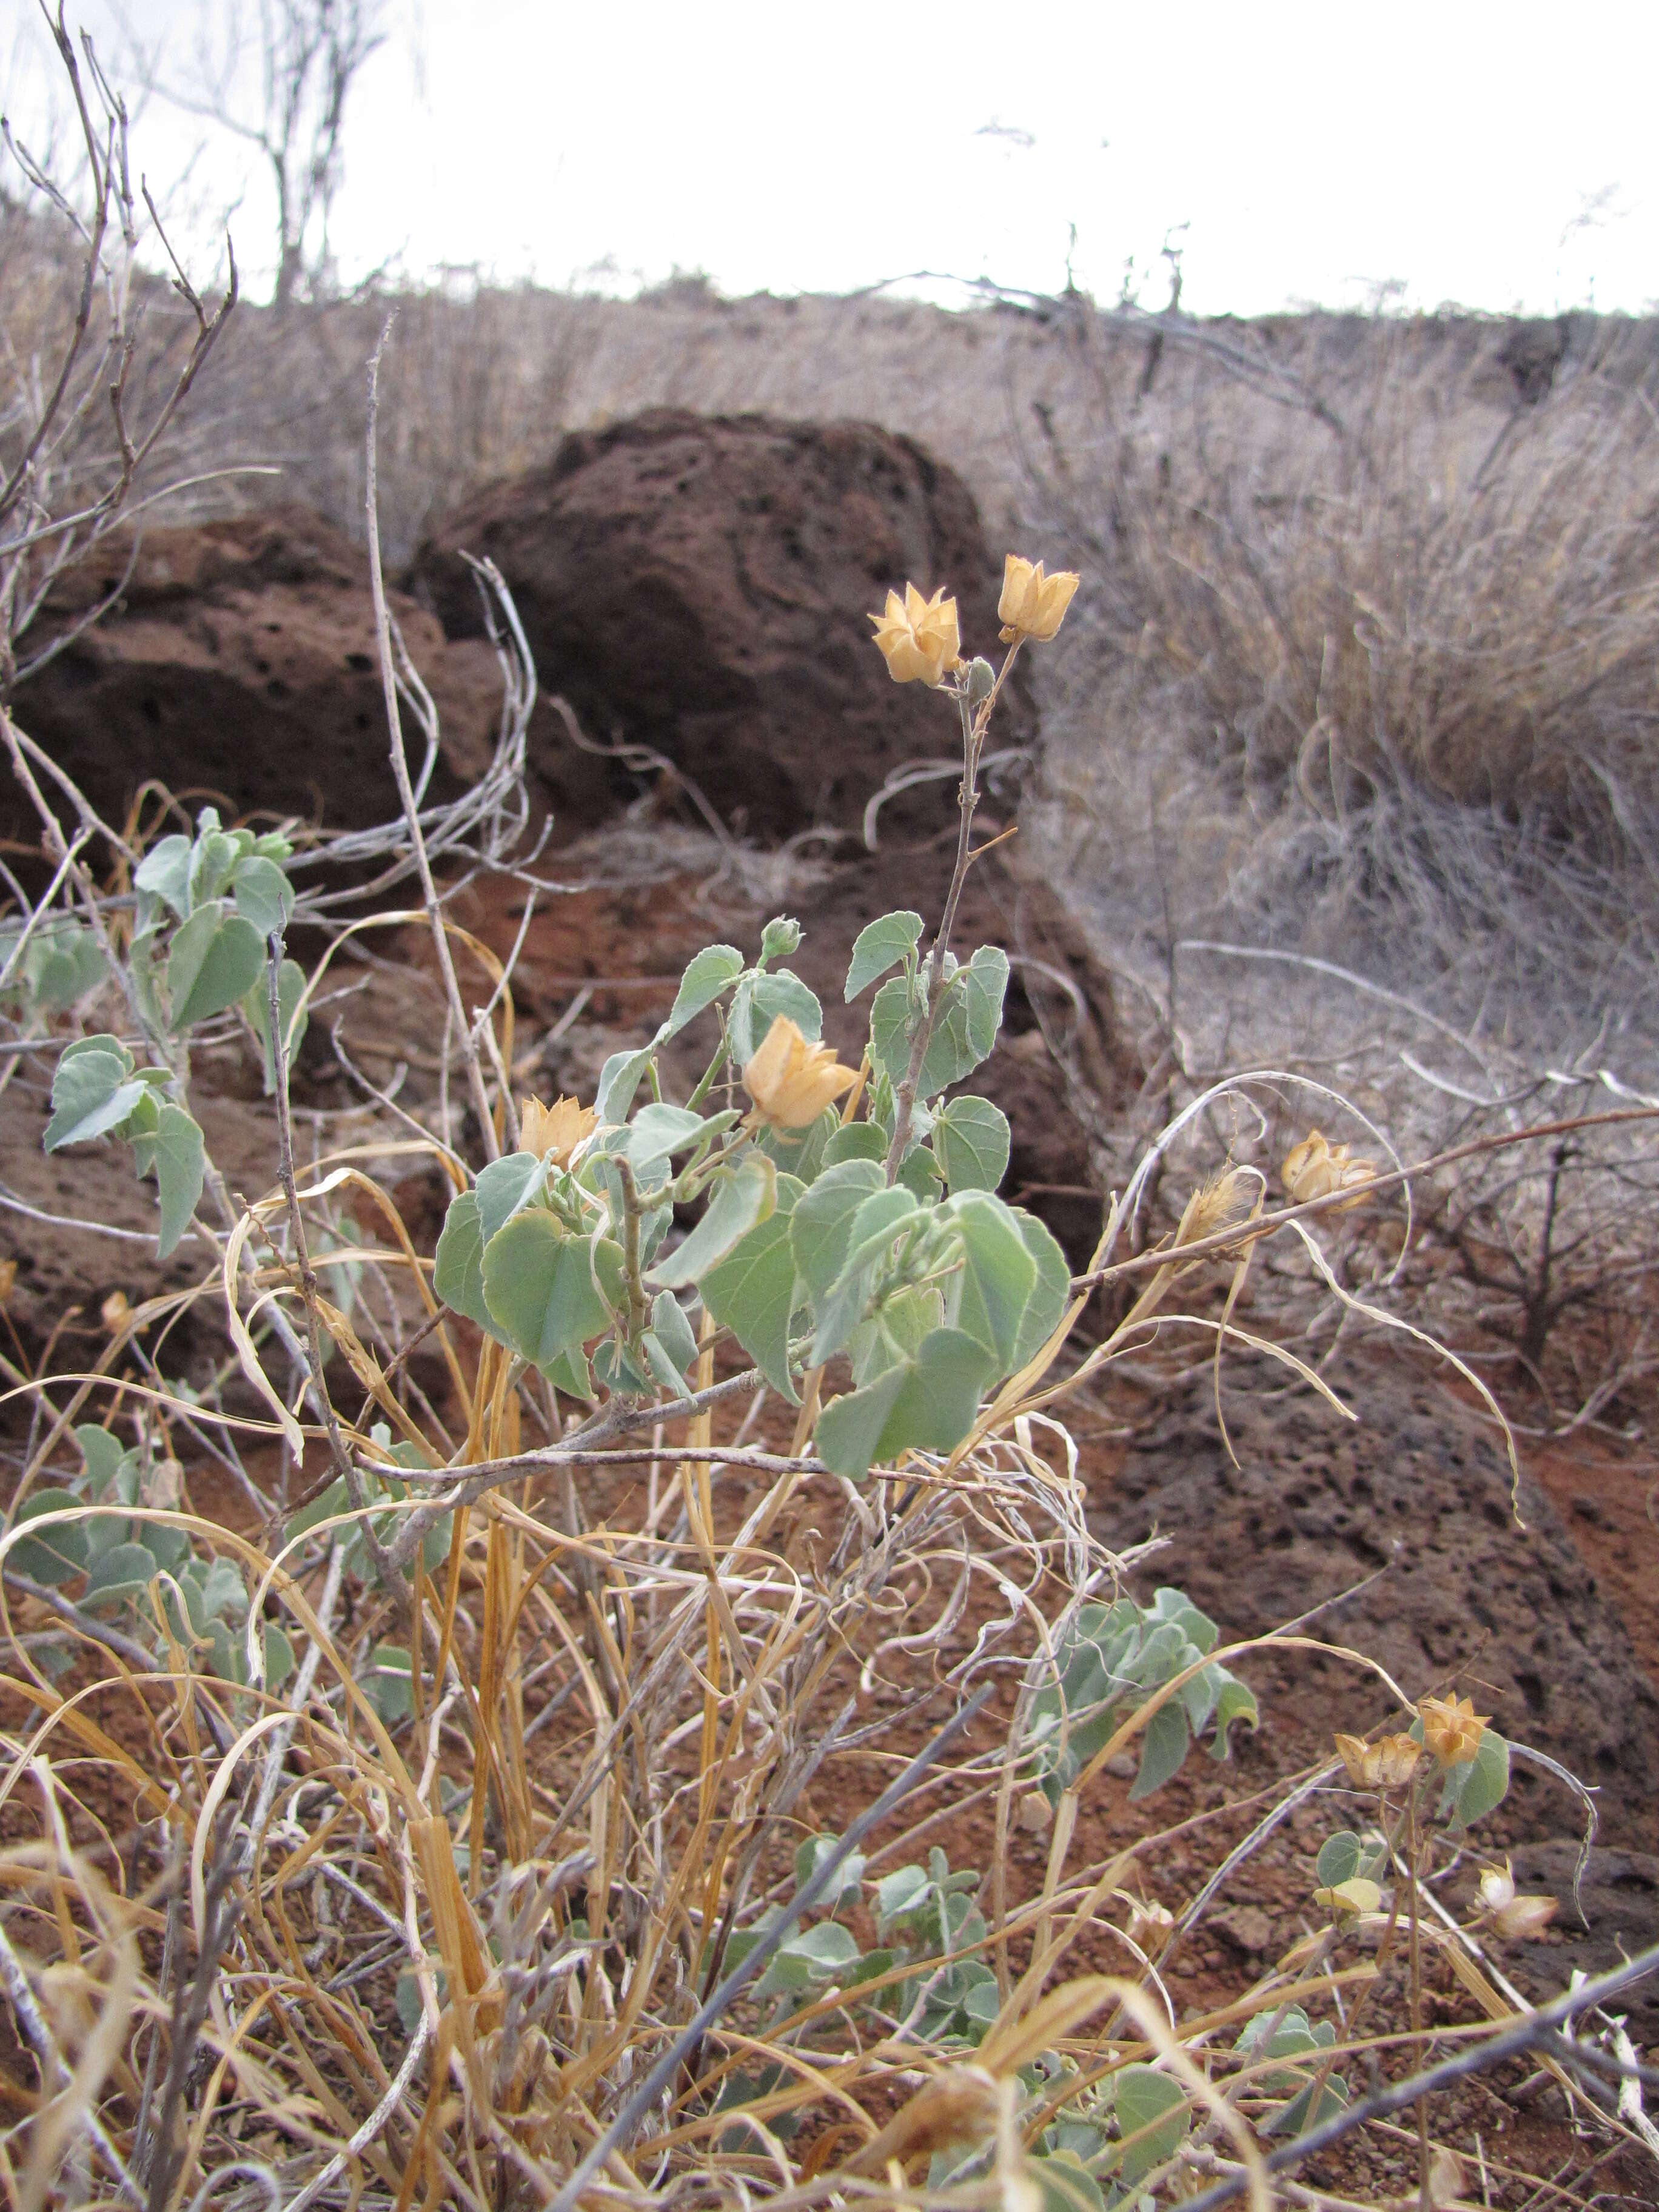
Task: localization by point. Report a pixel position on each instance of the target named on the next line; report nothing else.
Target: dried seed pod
(1316, 1169)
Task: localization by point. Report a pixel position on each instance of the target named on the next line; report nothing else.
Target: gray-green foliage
(932, 1289)
(135, 1569)
(1308, 2099)
(1111, 1659)
(46, 969)
(206, 907)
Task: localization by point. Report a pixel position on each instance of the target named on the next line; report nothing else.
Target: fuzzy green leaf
(262, 893)
(989, 1297)
(180, 1161)
(504, 1187)
(1162, 1748)
(1050, 1295)
(751, 1292)
(1152, 2117)
(879, 945)
(925, 1404)
(1480, 1784)
(971, 1141)
(619, 1079)
(91, 1092)
(746, 1196)
(756, 1004)
(125, 1571)
(539, 1287)
(215, 958)
(164, 873)
(458, 1276)
(822, 1225)
(55, 1554)
(715, 969)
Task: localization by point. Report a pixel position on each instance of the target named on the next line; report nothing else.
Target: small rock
(1247, 1926)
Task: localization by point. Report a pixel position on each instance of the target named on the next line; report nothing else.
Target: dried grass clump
(1375, 656)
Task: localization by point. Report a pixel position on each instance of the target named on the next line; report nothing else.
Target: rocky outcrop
(1414, 1493)
(238, 665)
(701, 584)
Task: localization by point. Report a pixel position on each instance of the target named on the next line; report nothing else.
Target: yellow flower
(554, 1133)
(919, 638)
(1452, 1728)
(790, 1081)
(1032, 605)
(1388, 1764)
(1315, 1168)
(114, 1312)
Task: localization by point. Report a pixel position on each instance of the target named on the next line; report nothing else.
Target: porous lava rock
(239, 664)
(1412, 1500)
(700, 584)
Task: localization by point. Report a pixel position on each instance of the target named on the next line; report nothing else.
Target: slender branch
(620, 2129)
(400, 771)
(344, 1465)
(1523, 2034)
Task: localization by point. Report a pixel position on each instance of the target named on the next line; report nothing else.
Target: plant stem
(974, 723)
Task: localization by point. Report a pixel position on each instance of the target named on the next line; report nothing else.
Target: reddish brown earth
(239, 664)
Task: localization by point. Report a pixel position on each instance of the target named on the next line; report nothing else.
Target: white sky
(1497, 156)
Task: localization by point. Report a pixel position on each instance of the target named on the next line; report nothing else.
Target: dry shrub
(1383, 607)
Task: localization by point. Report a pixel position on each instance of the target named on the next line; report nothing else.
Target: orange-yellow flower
(554, 1133)
(790, 1081)
(1317, 1168)
(1452, 1728)
(920, 639)
(1388, 1764)
(1032, 605)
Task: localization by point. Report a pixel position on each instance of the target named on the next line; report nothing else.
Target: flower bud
(1497, 1887)
(1032, 605)
(1150, 1922)
(981, 682)
(919, 639)
(780, 938)
(8, 1278)
(114, 1312)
